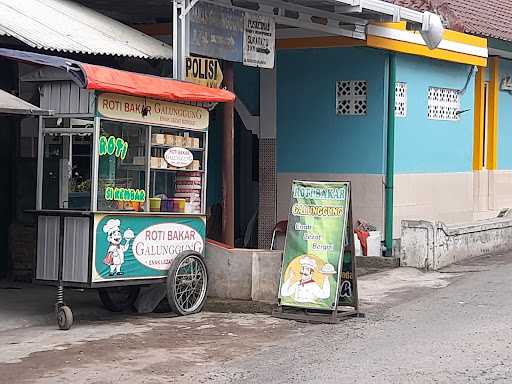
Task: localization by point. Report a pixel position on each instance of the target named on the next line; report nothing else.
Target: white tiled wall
(500, 189)
(447, 197)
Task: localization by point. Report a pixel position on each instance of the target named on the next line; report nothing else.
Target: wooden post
(228, 161)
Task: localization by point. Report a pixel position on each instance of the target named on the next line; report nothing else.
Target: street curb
(377, 262)
(238, 306)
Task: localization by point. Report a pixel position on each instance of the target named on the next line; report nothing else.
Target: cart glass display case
(66, 161)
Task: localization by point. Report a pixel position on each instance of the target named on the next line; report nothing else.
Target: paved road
(458, 334)
(420, 328)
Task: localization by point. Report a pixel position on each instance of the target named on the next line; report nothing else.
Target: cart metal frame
(65, 216)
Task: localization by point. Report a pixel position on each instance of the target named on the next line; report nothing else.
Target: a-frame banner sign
(318, 273)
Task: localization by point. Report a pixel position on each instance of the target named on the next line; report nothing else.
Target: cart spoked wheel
(119, 299)
(187, 283)
(64, 317)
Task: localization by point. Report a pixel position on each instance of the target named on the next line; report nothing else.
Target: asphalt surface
(451, 327)
(458, 334)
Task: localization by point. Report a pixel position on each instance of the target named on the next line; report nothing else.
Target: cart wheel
(119, 299)
(187, 283)
(64, 317)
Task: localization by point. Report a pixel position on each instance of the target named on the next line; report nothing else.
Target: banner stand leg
(315, 316)
(352, 247)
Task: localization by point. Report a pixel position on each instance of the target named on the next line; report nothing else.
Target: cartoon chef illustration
(306, 290)
(115, 253)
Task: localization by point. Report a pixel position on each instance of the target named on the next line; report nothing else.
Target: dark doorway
(246, 185)
(7, 131)
(8, 127)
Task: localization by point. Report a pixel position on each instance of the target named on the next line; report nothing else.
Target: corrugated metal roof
(14, 105)
(63, 25)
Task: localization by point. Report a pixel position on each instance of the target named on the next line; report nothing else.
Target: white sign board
(156, 112)
(178, 157)
(259, 40)
(158, 245)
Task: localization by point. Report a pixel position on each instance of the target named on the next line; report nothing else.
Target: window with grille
(351, 97)
(401, 100)
(443, 104)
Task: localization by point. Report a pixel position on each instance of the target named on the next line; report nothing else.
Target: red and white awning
(106, 79)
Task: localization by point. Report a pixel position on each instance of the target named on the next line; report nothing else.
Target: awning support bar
(188, 9)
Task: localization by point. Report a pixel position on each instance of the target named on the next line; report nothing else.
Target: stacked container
(188, 187)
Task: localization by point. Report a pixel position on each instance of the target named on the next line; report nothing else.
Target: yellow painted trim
(422, 50)
(478, 150)
(318, 42)
(464, 38)
(450, 35)
(492, 118)
(395, 45)
(402, 25)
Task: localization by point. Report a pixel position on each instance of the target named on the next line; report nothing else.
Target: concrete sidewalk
(26, 305)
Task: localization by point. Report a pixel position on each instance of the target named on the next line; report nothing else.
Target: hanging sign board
(259, 40)
(178, 157)
(151, 111)
(315, 242)
(216, 31)
(203, 71)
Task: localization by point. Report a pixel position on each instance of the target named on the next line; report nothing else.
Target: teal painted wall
(504, 160)
(247, 87)
(311, 138)
(432, 146)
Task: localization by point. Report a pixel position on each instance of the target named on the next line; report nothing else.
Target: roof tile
(488, 18)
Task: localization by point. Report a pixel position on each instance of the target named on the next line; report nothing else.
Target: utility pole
(180, 36)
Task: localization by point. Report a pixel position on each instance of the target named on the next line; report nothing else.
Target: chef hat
(111, 226)
(307, 262)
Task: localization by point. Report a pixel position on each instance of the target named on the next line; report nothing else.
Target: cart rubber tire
(173, 295)
(64, 317)
(113, 305)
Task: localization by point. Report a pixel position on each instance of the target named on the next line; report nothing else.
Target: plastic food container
(154, 204)
(158, 138)
(169, 139)
(155, 162)
(165, 205)
(181, 205)
(179, 141)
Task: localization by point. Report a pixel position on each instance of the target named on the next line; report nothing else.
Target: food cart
(121, 183)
